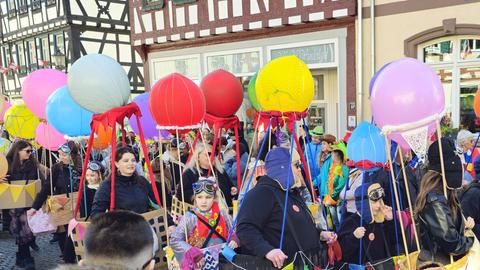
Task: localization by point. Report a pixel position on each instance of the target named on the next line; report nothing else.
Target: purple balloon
(405, 92)
(149, 126)
(374, 78)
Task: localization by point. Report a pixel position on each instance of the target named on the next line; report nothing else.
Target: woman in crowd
(466, 141)
(470, 199)
(199, 166)
(441, 223)
(22, 166)
(206, 226)
(65, 179)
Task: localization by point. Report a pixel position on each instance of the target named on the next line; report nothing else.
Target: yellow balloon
(285, 84)
(20, 122)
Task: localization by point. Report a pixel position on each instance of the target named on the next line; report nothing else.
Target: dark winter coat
(441, 235)
(191, 176)
(383, 235)
(260, 221)
(62, 176)
(470, 201)
(131, 193)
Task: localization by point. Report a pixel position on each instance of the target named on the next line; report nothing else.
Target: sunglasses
(206, 185)
(376, 194)
(28, 151)
(93, 166)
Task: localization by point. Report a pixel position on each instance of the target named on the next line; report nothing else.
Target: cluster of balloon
(48, 137)
(407, 93)
(176, 102)
(285, 84)
(98, 83)
(66, 116)
(20, 122)
(149, 126)
(223, 93)
(366, 147)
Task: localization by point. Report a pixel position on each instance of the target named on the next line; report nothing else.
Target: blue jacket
(230, 167)
(313, 151)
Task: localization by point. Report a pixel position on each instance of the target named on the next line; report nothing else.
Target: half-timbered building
(54, 33)
(196, 37)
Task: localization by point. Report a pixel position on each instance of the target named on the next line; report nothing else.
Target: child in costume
(207, 227)
(372, 224)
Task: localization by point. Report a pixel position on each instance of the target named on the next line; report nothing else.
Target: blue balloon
(66, 116)
(367, 145)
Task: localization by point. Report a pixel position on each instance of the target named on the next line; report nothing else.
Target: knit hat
(317, 131)
(278, 165)
(452, 162)
(369, 190)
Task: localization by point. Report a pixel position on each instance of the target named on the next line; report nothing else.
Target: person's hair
(13, 155)
(120, 151)
(75, 156)
(340, 155)
(118, 236)
(200, 148)
(432, 181)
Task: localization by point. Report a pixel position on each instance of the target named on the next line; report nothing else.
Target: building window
(44, 51)
(239, 63)
(51, 2)
(188, 66)
(456, 61)
(183, 2)
(36, 4)
(59, 43)
(22, 7)
(153, 4)
(20, 58)
(31, 55)
(316, 54)
(11, 7)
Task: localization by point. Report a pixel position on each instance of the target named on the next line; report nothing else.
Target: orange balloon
(103, 138)
(476, 103)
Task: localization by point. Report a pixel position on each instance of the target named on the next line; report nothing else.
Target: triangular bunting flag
(289, 266)
(3, 188)
(30, 189)
(305, 267)
(16, 190)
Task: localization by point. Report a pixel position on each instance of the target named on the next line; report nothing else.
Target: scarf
(201, 231)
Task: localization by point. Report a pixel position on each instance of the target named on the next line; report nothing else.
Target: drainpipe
(360, 60)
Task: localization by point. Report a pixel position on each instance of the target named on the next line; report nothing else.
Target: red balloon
(176, 101)
(223, 93)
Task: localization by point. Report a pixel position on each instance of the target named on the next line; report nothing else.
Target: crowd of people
(356, 211)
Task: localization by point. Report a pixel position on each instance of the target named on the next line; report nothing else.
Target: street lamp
(59, 59)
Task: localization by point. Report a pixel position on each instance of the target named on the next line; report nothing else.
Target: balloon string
(249, 156)
(183, 193)
(162, 180)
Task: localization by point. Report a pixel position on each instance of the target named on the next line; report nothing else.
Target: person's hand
(4, 179)
(233, 245)
(387, 212)
(31, 212)
(359, 232)
(327, 236)
(233, 191)
(200, 264)
(469, 223)
(171, 229)
(277, 257)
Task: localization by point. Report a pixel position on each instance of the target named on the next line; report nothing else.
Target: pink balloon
(38, 86)
(48, 137)
(405, 92)
(6, 106)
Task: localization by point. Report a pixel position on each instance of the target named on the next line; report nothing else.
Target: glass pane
(188, 67)
(319, 87)
(316, 117)
(469, 85)
(469, 49)
(21, 55)
(445, 75)
(315, 54)
(439, 52)
(238, 63)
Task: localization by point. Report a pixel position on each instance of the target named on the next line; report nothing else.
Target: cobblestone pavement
(47, 258)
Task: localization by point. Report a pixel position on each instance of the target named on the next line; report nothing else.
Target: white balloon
(98, 83)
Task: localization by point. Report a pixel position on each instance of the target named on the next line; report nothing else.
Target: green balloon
(252, 96)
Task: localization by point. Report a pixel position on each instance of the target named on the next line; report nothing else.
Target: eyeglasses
(204, 184)
(376, 194)
(93, 166)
